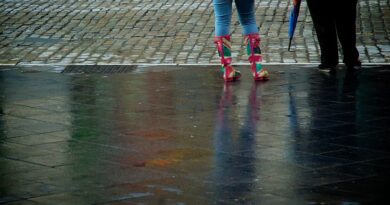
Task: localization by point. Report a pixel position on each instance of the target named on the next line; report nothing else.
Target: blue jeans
(223, 16)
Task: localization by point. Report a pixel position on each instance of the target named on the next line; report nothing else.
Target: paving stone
(110, 137)
(69, 32)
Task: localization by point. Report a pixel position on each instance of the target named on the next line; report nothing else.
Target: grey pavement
(179, 135)
(164, 31)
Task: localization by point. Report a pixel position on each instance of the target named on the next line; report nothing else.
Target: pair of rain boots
(252, 43)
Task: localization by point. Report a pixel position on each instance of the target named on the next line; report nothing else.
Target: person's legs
(246, 15)
(252, 43)
(224, 50)
(223, 15)
(346, 31)
(321, 13)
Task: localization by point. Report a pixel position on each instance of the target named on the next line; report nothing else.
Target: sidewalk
(164, 32)
(141, 134)
(179, 135)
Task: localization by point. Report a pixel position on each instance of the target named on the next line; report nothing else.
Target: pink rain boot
(224, 50)
(252, 42)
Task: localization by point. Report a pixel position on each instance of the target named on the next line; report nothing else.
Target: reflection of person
(331, 21)
(246, 14)
(235, 173)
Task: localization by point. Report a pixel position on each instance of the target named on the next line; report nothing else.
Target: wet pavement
(166, 31)
(179, 135)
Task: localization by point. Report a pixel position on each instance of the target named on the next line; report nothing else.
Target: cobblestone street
(164, 31)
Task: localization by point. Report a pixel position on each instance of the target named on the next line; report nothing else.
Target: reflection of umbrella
(293, 20)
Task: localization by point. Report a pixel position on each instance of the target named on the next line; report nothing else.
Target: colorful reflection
(235, 171)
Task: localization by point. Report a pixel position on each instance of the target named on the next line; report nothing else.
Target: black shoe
(354, 71)
(326, 68)
(354, 67)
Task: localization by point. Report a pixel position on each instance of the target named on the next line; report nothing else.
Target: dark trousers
(335, 20)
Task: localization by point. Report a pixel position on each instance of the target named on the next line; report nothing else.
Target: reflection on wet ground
(181, 136)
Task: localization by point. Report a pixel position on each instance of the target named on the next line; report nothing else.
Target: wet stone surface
(166, 31)
(179, 135)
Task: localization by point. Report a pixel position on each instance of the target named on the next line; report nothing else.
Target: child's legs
(246, 15)
(223, 15)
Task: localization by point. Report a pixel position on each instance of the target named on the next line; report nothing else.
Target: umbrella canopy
(293, 20)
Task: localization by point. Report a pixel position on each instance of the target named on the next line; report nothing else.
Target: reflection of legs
(223, 15)
(223, 143)
(326, 31)
(246, 15)
(248, 129)
(230, 167)
(223, 131)
(346, 31)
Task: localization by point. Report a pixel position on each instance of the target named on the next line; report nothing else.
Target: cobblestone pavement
(302, 138)
(163, 31)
